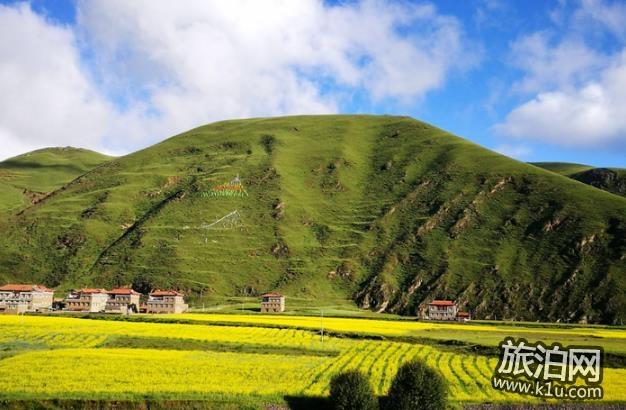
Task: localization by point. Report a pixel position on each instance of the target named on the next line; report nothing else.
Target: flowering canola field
(393, 327)
(62, 357)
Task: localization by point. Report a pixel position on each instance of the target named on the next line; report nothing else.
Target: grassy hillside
(562, 168)
(27, 178)
(388, 211)
(612, 180)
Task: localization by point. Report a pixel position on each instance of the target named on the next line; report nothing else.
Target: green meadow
(383, 212)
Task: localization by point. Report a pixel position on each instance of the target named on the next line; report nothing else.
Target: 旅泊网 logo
(549, 371)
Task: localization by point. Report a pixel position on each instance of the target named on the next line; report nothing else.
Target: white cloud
(215, 59)
(604, 15)
(131, 73)
(559, 65)
(209, 43)
(578, 91)
(592, 115)
(45, 97)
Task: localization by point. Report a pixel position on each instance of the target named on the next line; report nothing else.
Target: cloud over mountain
(577, 88)
(131, 73)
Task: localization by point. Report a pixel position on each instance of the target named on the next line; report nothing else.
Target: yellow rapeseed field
(63, 357)
(612, 340)
(393, 327)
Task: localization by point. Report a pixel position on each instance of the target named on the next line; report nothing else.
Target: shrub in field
(351, 390)
(417, 386)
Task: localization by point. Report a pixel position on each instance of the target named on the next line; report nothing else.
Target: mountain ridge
(388, 211)
(29, 177)
(611, 180)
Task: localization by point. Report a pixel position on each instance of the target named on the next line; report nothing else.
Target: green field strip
(384, 366)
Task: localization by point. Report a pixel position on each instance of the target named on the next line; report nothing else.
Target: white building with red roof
(19, 298)
(123, 300)
(166, 301)
(272, 303)
(92, 300)
(442, 310)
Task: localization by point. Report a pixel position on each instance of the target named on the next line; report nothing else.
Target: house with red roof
(166, 301)
(272, 303)
(463, 316)
(123, 300)
(442, 310)
(92, 300)
(20, 298)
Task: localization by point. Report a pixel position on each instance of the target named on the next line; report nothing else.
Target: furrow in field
(382, 366)
(367, 365)
(316, 386)
(480, 382)
(460, 378)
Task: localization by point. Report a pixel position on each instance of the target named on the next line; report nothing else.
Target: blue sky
(535, 80)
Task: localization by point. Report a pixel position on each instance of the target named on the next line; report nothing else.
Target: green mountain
(28, 178)
(388, 211)
(612, 180)
(562, 168)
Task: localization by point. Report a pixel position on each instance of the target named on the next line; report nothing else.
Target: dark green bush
(417, 386)
(268, 141)
(351, 390)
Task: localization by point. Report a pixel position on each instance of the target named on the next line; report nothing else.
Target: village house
(442, 310)
(123, 300)
(19, 298)
(166, 301)
(463, 316)
(87, 300)
(272, 303)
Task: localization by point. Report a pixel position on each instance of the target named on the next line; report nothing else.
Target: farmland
(251, 361)
(614, 338)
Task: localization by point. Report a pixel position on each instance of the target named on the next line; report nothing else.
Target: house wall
(442, 312)
(13, 308)
(273, 305)
(29, 301)
(166, 304)
(77, 305)
(88, 302)
(41, 300)
(119, 303)
(98, 302)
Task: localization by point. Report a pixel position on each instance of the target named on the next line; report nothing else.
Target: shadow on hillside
(308, 403)
(29, 165)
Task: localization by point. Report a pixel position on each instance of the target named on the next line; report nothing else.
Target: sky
(535, 80)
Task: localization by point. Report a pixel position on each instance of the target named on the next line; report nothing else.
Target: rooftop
(123, 291)
(13, 287)
(272, 294)
(165, 293)
(441, 303)
(91, 290)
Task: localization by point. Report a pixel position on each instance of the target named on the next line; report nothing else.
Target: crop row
(72, 332)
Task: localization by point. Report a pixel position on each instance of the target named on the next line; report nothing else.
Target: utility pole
(202, 298)
(322, 324)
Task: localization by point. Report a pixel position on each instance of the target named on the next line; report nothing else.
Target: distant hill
(388, 211)
(562, 168)
(608, 179)
(29, 177)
